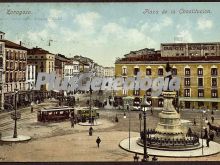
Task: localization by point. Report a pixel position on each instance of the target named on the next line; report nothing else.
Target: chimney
(20, 43)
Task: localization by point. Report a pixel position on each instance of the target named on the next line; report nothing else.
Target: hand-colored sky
(105, 31)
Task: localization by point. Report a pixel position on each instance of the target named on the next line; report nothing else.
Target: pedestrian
(212, 112)
(136, 157)
(212, 119)
(72, 121)
(140, 116)
(90, 131)
(98, 141)
(194, 121)
(116, 118)
(207, 141)
(32, 109)
(151, 110)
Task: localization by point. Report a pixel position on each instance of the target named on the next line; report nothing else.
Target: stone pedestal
(169, 126)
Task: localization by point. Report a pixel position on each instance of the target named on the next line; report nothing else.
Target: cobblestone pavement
(60, 142)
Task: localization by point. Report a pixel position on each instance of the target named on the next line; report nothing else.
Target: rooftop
(9, 44)
(156, 58)
(36, 51)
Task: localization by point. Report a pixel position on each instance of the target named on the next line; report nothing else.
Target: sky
(106, 31)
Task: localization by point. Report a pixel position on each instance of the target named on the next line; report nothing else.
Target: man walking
(32, 109)
(212, 119)
(98, 141)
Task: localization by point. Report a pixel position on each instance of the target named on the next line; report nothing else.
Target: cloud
(184, 36)
(157, 26)
(204, 24)
(87, 20)
(54, 15)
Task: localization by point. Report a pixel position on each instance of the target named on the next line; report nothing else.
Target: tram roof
(57, 109)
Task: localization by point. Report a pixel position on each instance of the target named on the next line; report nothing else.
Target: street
(59, 142)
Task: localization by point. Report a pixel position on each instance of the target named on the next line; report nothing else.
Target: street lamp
(128, 102)
(15, 116)
(203, 112)
(144, 107)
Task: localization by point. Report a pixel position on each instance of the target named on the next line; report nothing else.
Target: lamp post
(145, 106)
(15, 115)
(203, 112)
(128, 102)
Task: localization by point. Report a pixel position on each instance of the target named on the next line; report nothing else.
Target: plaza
(57, 141)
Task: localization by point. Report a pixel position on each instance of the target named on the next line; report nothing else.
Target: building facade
(109, 71)
(71, 69)
(2, 64)
(60, 61)
(14, 74)
(44, 61)
(199, 75)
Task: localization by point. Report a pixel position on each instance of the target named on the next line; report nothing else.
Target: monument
(169, 133)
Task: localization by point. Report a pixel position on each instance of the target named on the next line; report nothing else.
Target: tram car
(55, 114)
(86, 114)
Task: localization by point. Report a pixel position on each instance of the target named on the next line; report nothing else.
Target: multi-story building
(30, 76)
(2, 64)
(30, 81)
(14, 68)
(44, 62)
(109, 71)
(199, 75)
(99, 70)
(71, 68)
(60, 61)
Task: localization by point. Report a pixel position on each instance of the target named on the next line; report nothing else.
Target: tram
(86, 114)
(55, 114)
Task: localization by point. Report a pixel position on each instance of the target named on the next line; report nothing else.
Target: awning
(199, 99)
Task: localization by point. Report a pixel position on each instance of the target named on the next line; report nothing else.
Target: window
(214, 82)
(200, 82)
(214, 93)
(187, 81)
(200, 71)
(136, 70)
(174, 71)
(42, 57)
(136, 92)
(148, 92)
(186, 92)
(200, 93)
(160, 72)
(214, 71)
(148, 72)
(124, 71)
(124, 92)
(1, 49)
(187, 71)
(187, 104)
(182, 54)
